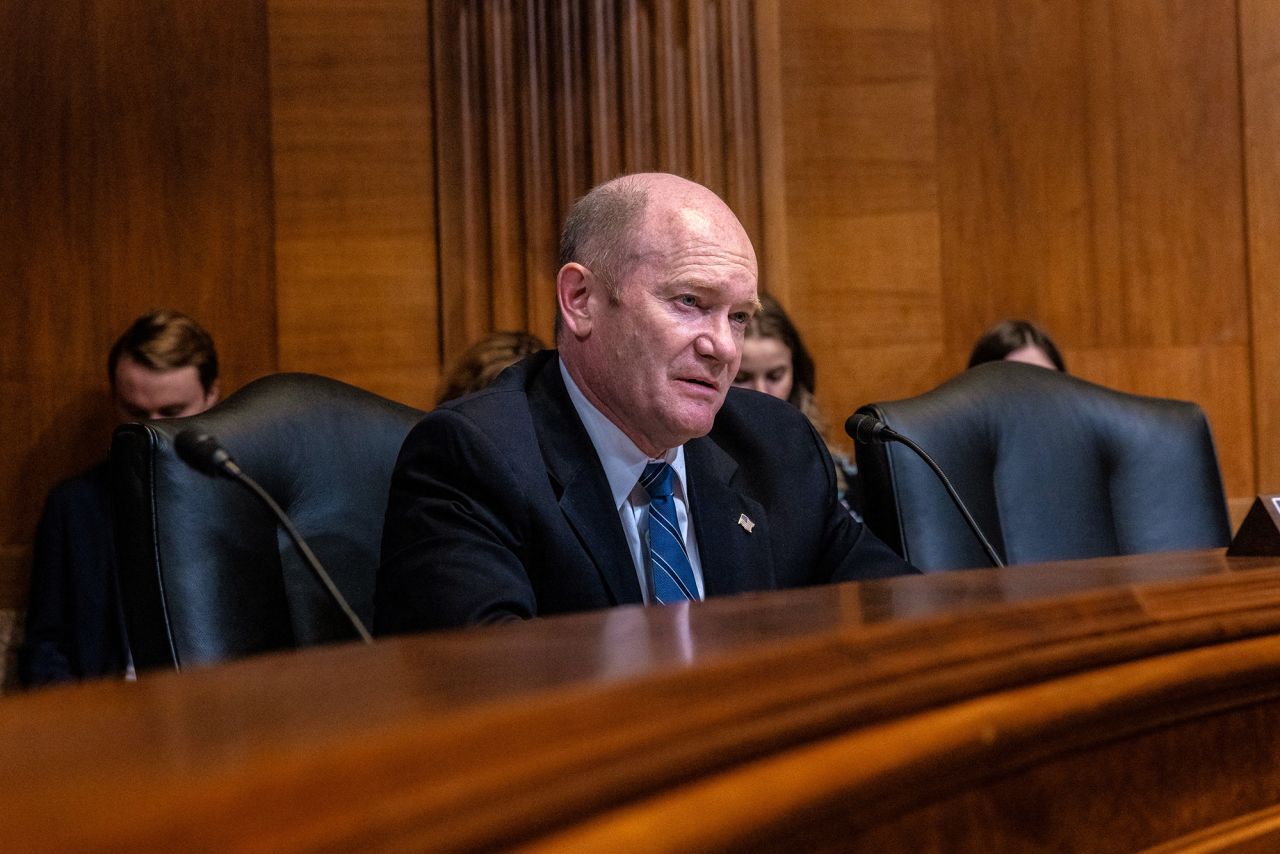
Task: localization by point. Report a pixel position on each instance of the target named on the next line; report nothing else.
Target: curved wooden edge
(362, 748)
(1256, 832)
(873, 773)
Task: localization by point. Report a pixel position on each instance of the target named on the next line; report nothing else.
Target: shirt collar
(623, 462)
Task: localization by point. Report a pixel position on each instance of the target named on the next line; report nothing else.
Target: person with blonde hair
(480, 364)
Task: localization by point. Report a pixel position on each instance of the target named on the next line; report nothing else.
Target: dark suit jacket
(499, 508)
(74, 628)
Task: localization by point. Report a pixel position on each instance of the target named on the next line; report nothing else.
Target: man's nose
(717, 340)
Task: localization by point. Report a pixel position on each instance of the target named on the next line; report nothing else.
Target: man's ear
(211, 396)
(574, 285)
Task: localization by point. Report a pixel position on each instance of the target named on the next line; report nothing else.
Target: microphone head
(867, 429)
(202, 452)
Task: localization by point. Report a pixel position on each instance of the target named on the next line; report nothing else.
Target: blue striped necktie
(669, 564)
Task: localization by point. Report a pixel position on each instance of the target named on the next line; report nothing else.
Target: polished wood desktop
(1103, 705)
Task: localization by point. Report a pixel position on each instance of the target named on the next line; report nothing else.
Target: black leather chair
(205, 574)
(1052, 467)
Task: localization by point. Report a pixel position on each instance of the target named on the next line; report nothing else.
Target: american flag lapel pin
(745, 521)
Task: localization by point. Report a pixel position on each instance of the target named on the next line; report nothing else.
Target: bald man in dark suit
(621, 468)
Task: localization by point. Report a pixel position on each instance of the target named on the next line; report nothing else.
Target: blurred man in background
(163, 366)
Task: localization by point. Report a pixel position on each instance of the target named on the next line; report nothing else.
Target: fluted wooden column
(536, 102)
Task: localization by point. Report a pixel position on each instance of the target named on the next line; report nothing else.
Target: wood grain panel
(671, 86)
(773, 183)
(1097, 190)
(951, 164)
(137, 174)
(460, 174)
(540, 213)
(740, 97)
(502, 53)
(861, 198)
(1260, 63)
(544, 104)
(355, 233)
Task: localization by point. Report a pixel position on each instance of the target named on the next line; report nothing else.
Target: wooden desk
(1106, 705)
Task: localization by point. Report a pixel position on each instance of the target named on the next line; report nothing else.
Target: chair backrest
(1052, 467)
(205, 574)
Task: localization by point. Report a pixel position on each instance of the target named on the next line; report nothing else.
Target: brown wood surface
(1260, 72)
(137, 174)
(859, 126)
(537, 102)
(353, 214)
(1104, 705)
(951, 164)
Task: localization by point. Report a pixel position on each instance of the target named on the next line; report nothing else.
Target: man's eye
(688, 299)
(741, 317)
(774, 376)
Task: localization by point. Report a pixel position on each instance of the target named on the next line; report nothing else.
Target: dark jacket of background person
(74, 628)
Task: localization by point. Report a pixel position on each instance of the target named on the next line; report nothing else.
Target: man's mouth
(708, 384)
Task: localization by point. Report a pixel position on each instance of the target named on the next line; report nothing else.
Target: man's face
(142, 394)
(660, 359)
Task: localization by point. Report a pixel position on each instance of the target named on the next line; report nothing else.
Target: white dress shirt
(623, 464)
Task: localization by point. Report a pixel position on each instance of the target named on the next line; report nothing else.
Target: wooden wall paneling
(1096, 190)
(671, 86)
(603, 56)
(572, 165)
(706, 129)
(860, 194)
(1014, 131)
(636, 61)
(738, 85)
(1179, 126)
(1260, 64)
(459, 134)
(503, 57)
(556, 99)
(948, 164)
(137, 175)
(541, 212)
(769, 117)
(355, 229)
(47, 249)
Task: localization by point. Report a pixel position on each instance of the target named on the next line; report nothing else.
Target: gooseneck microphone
(206, 454)
(867, 429)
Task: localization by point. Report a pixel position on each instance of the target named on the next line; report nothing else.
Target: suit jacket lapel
(582, 488)
(734, 559)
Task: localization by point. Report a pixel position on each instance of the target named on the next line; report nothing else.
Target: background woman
(480, 364)
(1017, 341)
(775, 361)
